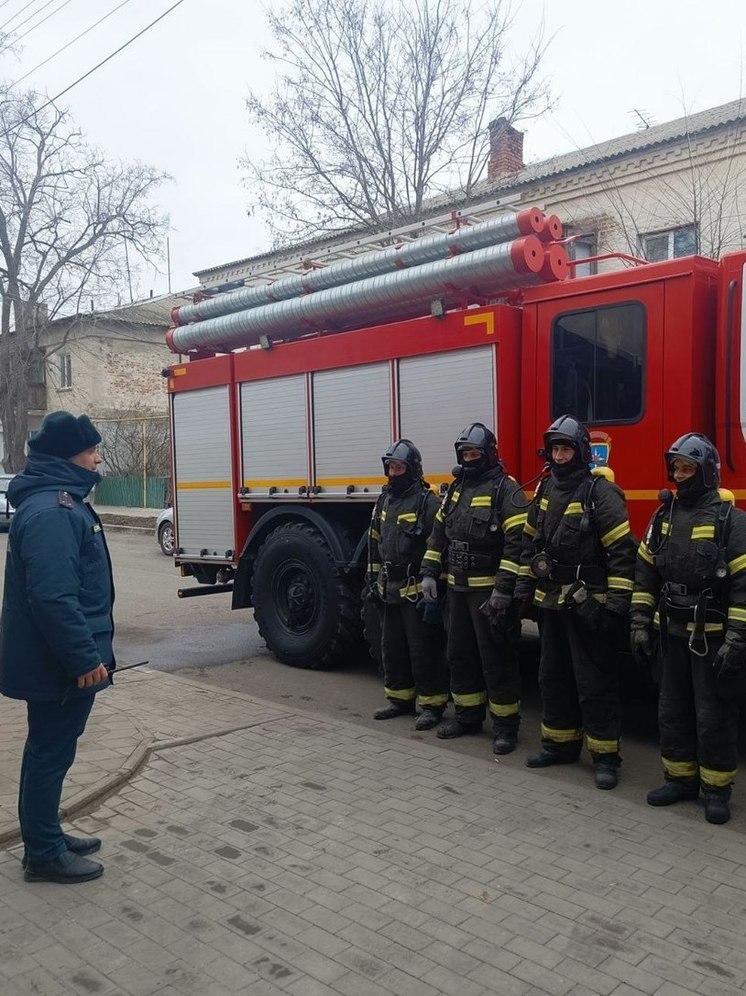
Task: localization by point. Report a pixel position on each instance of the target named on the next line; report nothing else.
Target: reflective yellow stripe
(469, 700)
(480, 582)
(642, 551)
(502, 710)
(525, 571)
(450, 579)
(401, 694)
(407, 517)
(737, 565)
(455, 497)
(717, 779)
(602, 746)
(657, 619)
(383, 515)
(623, 584)
(509, 566)
(616, 533)
(482, 501)
(374, 567)
(561, 736)
(543, 504)
(374, 534)
(665, 528)
(439, 516)
(643, 598)
(410, 589)
(514, 521)
(574, 508)
(433, 555)
(529, 529)
(539, 595)
(708, 627)
(736, 615)
(680, 769)
(433, 700)
(703, 532)
(201, 485)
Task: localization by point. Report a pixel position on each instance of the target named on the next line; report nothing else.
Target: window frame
(553, 353)
(670, 233)
(66, 371)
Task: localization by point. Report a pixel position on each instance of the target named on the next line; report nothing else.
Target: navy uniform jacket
(56, 621)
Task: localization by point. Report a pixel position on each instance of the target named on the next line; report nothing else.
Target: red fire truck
(293, 389)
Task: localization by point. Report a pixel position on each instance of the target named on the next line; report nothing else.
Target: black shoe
(717, 808)
(394, 709)
(67, 869)
(606, 776)
(452, 729)
(671, 792)
(506, 740)
(428, 718)
(78, 845)
(545, 758)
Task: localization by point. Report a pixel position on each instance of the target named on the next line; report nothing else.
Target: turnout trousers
(698, 730)
(483, 662)
(579, 689)
(53, 732)
(414, 665)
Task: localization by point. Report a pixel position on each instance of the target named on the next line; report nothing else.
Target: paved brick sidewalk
(309, 857)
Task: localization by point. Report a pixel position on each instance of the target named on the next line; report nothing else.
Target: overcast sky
(175, 98)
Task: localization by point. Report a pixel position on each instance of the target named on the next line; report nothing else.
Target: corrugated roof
(615, 148)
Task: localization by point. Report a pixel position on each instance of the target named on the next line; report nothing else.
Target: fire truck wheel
(307, 613)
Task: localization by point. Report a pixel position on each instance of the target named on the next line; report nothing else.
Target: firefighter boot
(672, 791)
(605, 775)
(428, 718)
(717, 808)
(505, 739)
(545, 758)
(394, 709)
(452, 728)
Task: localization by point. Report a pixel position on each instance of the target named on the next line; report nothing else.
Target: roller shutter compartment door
(202, 470)
(441, 393)
(274, 448)
(352, 427)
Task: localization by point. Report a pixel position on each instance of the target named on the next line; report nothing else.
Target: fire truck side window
(598, 361)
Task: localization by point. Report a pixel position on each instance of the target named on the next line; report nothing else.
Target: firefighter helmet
(477, 436)
(407, 452)
(568, 431)
(698, 449)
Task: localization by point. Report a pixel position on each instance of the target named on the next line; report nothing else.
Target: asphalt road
(203, 639)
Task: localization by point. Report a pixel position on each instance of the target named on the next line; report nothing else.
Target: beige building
(663, 191)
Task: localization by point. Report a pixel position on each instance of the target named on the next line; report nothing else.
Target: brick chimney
(506, 150)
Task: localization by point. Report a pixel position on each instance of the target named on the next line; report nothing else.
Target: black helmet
(477, 436)
(569, 431)
(697, 448)
(407, 452)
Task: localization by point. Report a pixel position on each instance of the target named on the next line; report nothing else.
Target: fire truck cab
(277, 447)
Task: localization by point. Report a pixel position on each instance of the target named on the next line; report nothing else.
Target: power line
(38, 24)
(17, 13)
(90, 72)
(68, 44)
(31, 15)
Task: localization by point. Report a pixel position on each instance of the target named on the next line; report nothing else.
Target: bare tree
(69, 222)
(382, 104)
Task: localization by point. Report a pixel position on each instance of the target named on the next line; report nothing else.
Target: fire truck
(287, 392)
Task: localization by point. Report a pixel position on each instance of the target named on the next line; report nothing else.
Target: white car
(164, 531)
(6, 509)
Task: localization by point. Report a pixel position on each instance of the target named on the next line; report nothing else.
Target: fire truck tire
(306, 611)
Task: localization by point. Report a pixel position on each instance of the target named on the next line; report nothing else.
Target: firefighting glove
(429, 589)
(642, 646)
(729, 667)
(496, 606)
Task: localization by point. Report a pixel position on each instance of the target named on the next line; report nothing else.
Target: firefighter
(476, 540)
(413, 660)
(577, 568)
(690, 586)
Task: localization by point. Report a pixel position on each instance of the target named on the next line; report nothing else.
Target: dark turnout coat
(56, 621)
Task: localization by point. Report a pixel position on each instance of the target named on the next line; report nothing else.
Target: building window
(582, 248)
(66, 370)
(671, 244)
(598, 364)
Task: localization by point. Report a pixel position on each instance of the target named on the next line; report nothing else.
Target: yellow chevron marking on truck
(488, 320)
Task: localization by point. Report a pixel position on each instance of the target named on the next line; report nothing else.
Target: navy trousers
(53, 731)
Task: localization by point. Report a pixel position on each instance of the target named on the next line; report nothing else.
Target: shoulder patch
(65, 499)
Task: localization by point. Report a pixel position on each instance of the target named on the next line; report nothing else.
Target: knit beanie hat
(63, 435)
